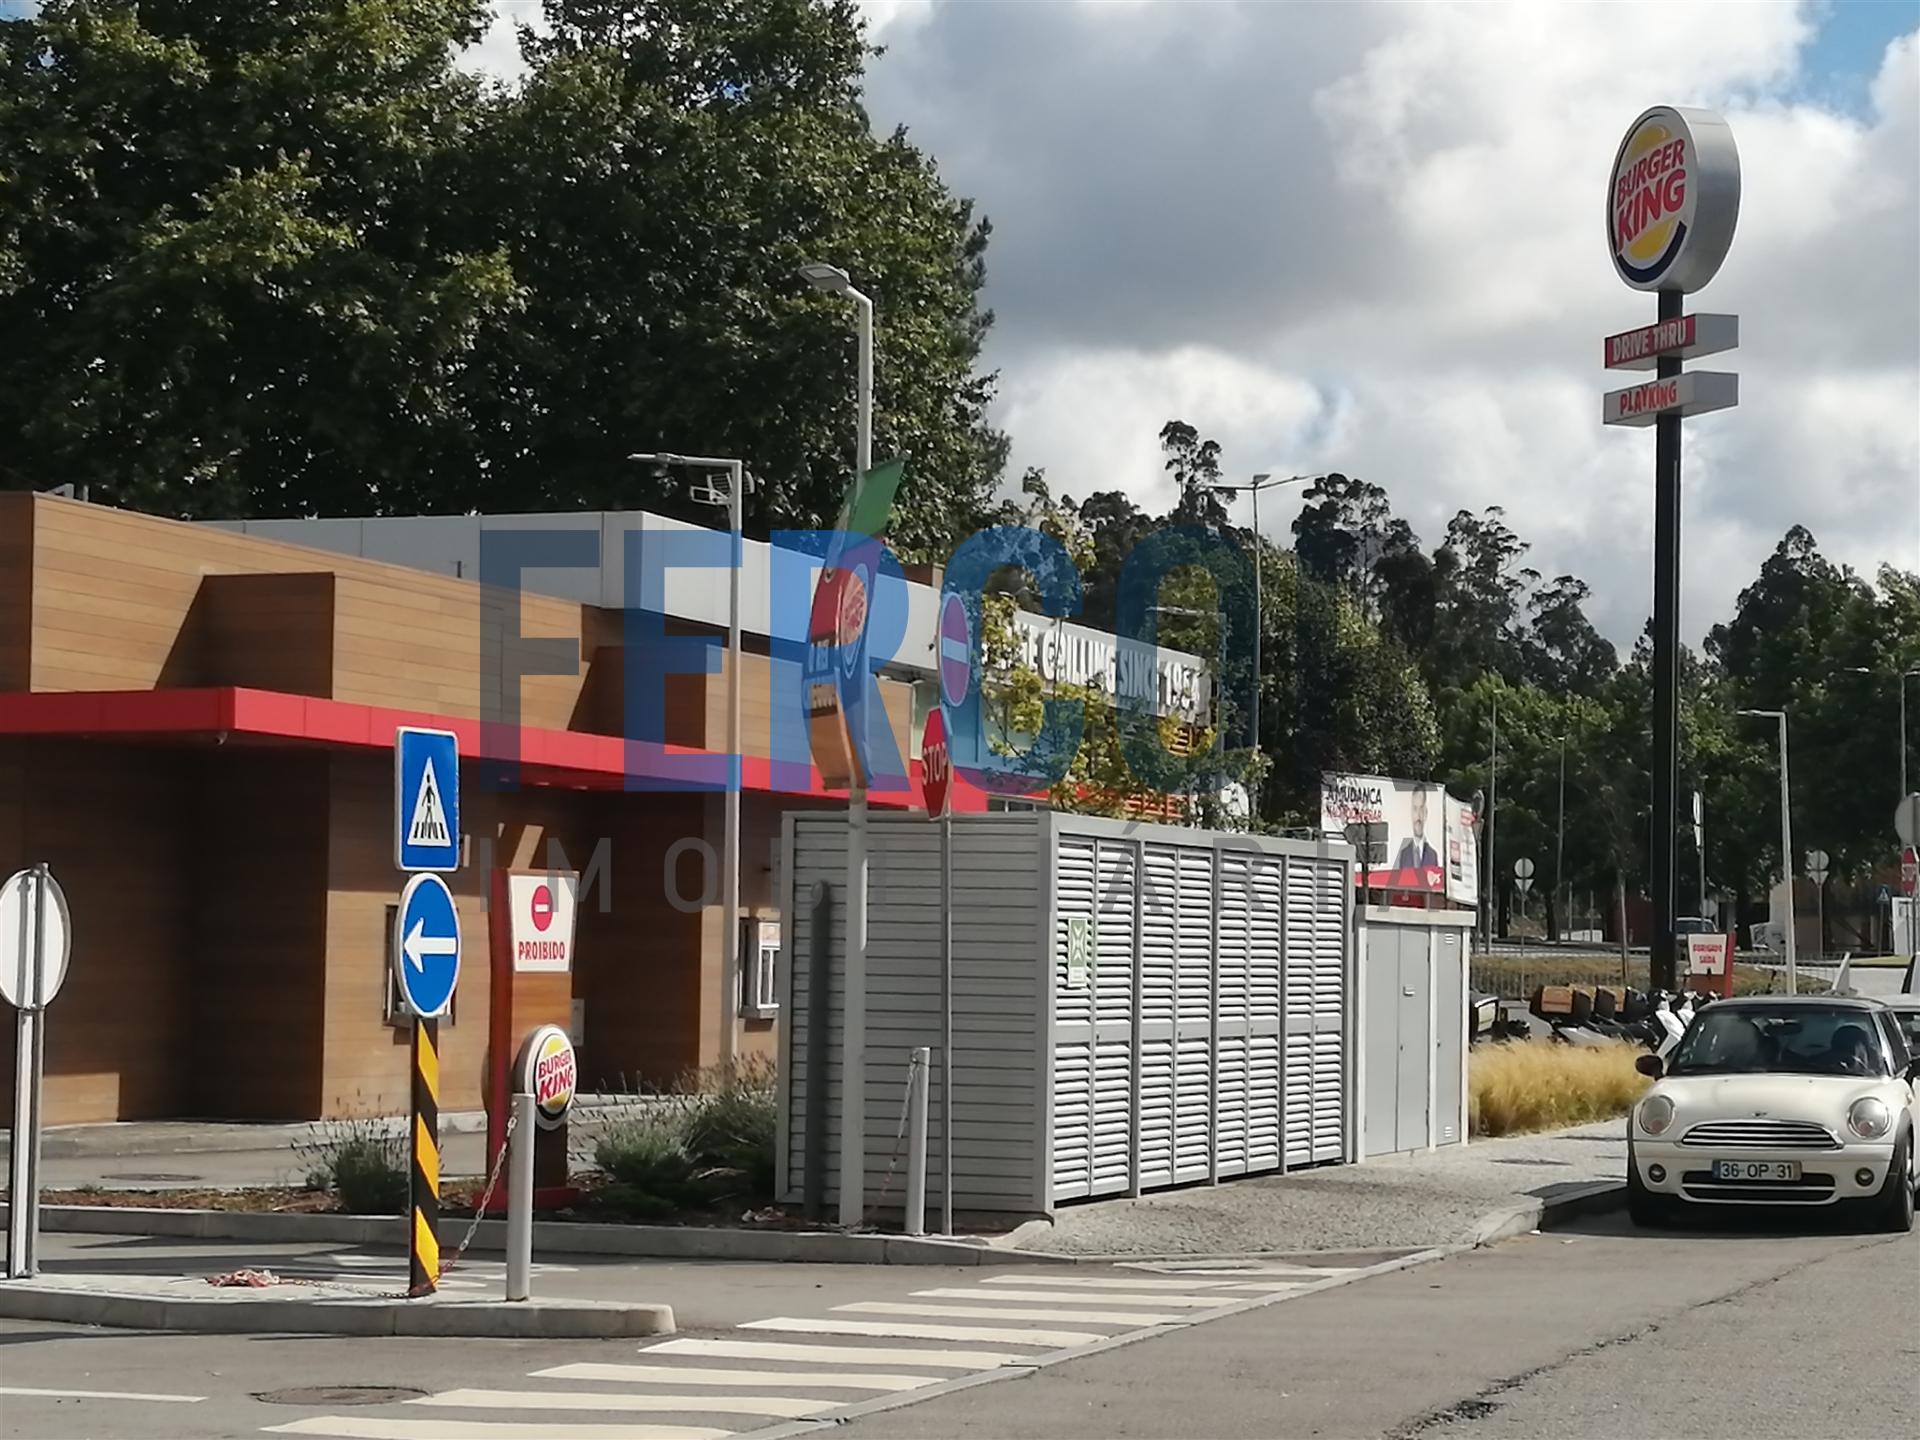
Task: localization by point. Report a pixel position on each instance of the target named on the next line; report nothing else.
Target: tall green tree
(228, 284)
(289, 259)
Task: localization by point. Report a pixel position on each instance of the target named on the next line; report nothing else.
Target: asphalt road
(1751, 1332)
(1604, 1335)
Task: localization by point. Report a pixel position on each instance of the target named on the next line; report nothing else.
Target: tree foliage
(288, 259)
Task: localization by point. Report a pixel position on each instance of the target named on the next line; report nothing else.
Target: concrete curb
(550, 1237)
(1547, 1214)
(497, 1319)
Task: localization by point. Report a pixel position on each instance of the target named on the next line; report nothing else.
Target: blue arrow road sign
(426, 800)
(426, 946)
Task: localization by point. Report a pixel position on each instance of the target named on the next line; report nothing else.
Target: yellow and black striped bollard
(423, 1267)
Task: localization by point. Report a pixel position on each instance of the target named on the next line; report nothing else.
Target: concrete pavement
(1428, 1198)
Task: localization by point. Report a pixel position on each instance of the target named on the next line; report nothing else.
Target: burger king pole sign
(1672, 201)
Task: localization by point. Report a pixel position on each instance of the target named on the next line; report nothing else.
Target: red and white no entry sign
(541, 920)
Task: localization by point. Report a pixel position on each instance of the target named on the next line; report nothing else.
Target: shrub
(648, 1167)
(360, 1162)
(729, 1123)
(1541, 1085)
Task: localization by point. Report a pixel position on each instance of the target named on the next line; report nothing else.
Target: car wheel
(1893, 1208)
(1647, 1210)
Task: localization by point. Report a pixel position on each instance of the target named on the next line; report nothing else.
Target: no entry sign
(541, 906)
(956, 651)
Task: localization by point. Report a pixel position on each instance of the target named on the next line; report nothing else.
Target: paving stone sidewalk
(1409, 1200)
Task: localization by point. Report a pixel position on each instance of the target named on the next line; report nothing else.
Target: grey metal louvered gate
(1135, 1006)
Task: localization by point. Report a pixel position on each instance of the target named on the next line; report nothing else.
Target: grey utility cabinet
(1134, 1006)
(1412, 1001)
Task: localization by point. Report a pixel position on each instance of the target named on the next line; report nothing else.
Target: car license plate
(1756, 1169)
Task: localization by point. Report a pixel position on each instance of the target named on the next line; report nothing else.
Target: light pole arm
(863, 440)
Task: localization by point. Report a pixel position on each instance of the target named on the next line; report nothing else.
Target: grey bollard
(916, 1222)
(520, 1201)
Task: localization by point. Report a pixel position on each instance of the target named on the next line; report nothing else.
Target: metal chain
(486, 1195)
(479, 1214)
(899, 1137)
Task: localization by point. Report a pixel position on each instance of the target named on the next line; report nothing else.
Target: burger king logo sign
(1672, 199)
(549, 1073)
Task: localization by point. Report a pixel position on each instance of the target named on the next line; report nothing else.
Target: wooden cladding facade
(231, 897)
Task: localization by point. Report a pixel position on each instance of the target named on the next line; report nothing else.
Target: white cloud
(1369, 238)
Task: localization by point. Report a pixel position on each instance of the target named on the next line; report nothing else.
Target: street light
(1786, 844)
(832, 280)
(1560, 840)
(1253, 487)
(737, 481)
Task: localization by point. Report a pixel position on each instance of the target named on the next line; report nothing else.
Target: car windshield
(1785, 1039)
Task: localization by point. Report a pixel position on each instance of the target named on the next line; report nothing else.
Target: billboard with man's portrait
(1410, 842)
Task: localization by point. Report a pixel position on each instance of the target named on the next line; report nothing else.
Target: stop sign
(936, 765)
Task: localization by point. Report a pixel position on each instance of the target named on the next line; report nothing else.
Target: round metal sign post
(1817, 863)
(1906, 824)
(36, 942)
(1673, 199)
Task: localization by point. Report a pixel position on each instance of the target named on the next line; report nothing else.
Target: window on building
(760, 969)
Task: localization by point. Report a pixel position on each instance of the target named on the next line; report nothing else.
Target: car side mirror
(1650, 1065)
(1912, 1071)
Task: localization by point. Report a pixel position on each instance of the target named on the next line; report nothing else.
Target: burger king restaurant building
(197, 730)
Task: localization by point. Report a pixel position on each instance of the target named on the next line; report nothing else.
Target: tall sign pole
(426, 963)
(1672, 201)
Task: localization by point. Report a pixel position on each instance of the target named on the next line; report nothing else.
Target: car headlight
(1656, 1114)
(1869, 1118)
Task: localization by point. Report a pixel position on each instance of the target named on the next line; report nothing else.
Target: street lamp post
(1905, 675)
(832, 280)
(1253, 487)
(1493, 811)
(1786, 844)
(1560, 841)
(737, 482)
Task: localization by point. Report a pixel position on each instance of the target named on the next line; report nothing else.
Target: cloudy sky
(1369, 238)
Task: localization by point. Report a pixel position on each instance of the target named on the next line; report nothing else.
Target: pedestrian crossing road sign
(426, 800)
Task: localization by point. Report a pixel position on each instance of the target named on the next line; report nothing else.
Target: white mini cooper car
(1779, 1100)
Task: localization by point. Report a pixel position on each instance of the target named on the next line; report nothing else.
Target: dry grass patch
(1540, 1085)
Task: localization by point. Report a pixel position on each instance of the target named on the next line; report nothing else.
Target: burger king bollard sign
(548, 1072)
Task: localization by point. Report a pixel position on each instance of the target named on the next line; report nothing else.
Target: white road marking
(29, 1392)
(781, 1407)
(1230, 1272)
(371, 1427)
(688, 1375)
(1103, 1283)
(835, 1354)
(1046, 1339)
(1081, 1297)
(1009, 1312)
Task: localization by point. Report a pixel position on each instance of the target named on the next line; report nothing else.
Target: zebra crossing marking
(677, 1375)
(836, 1354)
(1002, 1335)
(779, 1407)
(1080, 1297)
(374, 1427)
(1010, 1312)
(1101, 1282)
